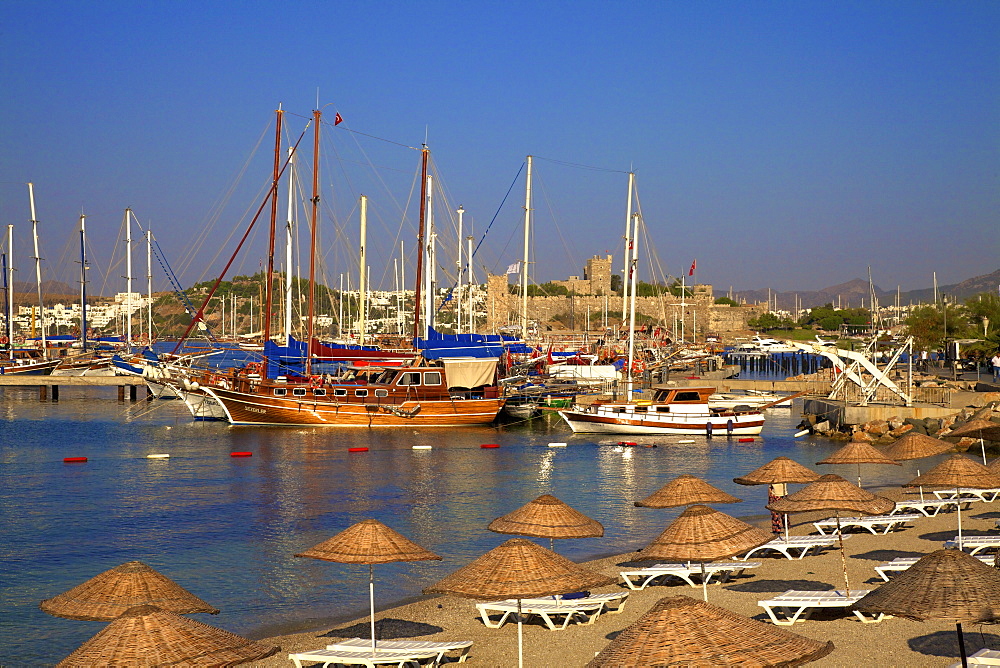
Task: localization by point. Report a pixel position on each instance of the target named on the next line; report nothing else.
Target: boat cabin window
(619, 410)
(687, 396)
(319, 392)
(280, 391)
(432, 378)
(640, 409)
(663, 409)
(409, 378)
(340, 392)
(381, 393)
(361, 393)
(299, 391)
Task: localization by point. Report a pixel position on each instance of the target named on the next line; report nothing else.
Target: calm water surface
(226, 528)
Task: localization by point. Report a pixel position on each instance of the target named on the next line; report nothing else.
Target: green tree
(726, 301)
(765, 322)
(930, 326)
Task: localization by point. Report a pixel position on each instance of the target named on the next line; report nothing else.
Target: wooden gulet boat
(415, 396)
(681, 410)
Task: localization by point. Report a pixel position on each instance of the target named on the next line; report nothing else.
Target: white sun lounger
(975, 544)
(361, 657)
(804, 543)
(722, 570)
(987, 495)
(984, 657)
(798, 605)
(875, 523)
(550, 609)
(928, 507)
(442, 648)
(902, 563)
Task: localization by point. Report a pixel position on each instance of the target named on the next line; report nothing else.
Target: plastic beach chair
(721, 570)
(798, 605)
(928, 507)
(365, 658)
(872, 523)
(975, 544)
(441, 648)
(984, 657)
(804, 543)
(550, 609)
(902, 563)
(987, 495)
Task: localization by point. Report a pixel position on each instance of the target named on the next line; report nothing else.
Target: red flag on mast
(694, 263)
(338, 119)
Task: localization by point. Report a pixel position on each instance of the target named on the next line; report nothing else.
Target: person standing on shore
(996, 366)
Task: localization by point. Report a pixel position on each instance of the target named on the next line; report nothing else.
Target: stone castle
(592, 294)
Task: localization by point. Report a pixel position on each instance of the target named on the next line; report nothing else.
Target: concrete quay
(51, 384)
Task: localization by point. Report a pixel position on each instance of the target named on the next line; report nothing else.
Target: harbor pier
(50, 384)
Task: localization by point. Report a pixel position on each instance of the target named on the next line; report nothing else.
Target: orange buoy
(74, 460)
(357, 449)
(490, 445)
(746, 440)
(241, 454)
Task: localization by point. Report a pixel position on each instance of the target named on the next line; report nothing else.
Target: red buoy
(746, 440)
(357, 449)
(490, 445)
(74, 460)
(627, 443)
(241, 454)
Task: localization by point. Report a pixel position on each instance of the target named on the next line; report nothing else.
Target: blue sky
(782, 144)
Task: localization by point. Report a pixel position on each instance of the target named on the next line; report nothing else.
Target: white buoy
(687, 441)
(557, 445)
(157, 456)
(801, 433)
(423, 447)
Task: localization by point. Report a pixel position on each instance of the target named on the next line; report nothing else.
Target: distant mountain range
(852, 293)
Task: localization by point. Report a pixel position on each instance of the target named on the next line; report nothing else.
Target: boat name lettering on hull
(256, 410)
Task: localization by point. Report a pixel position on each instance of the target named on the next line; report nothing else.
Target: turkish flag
(338, 119)
(693, 265)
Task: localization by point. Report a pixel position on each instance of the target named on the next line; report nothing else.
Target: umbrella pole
(843, 555)
(704, 582)
(371, 602)
(983, 446)
(520, 638)
(958, 505)
(961, 645)
(786, 527)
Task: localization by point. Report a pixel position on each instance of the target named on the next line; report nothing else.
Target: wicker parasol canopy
(685, 490)
(680, 631)
(547, 517)
(518, 568)
(831, 492)
(368, 542)
(994, 465)
(778, 470)
(704, 534)
(985, 429)
(947, 585)
(917, 446)
(958, 471)
(858, 453)
(107, 595)
(147, 636)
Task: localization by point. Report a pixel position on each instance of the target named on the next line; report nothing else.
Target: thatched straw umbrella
(959, 472)
(148, 636)
(368, 542)
(981, 429)
(702, 534)
(686, 490)
(680, 631)
(107, 595)
(831, 492)
(778, 471)
(547, 517)
(917, 446)
(518, 569)
(946, 585)
(858, 453)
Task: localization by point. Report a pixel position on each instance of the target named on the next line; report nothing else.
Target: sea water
(227, 528)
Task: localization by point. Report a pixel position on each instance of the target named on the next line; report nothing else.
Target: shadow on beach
(885, 555)
(385, 629)
(779, 586)
(945, 643)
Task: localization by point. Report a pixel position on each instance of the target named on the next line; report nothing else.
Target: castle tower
(598, 272)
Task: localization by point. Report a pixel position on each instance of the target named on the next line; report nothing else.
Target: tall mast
(268, 291)
(626, 270)
(458, 300)
(83, 281)
(128, 277)
(288, 248)
(10, 289)
(431, 259)
(363, 292)
(524, 262)
(312, 240)
(401, 303)
(472, 280)
(424, 152)
(38, 266)
(6, 312)
(149, 287)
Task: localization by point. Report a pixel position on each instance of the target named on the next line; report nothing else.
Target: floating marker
(357, 449)
(746, 440)
(626, 443)
(422, 447)
(74, 460)
(801, 433)
(157, 456)
(490, 445)
(687, 440)
(241, 454)
(557, 445)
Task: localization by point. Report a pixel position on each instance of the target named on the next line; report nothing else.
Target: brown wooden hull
(244, 408)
